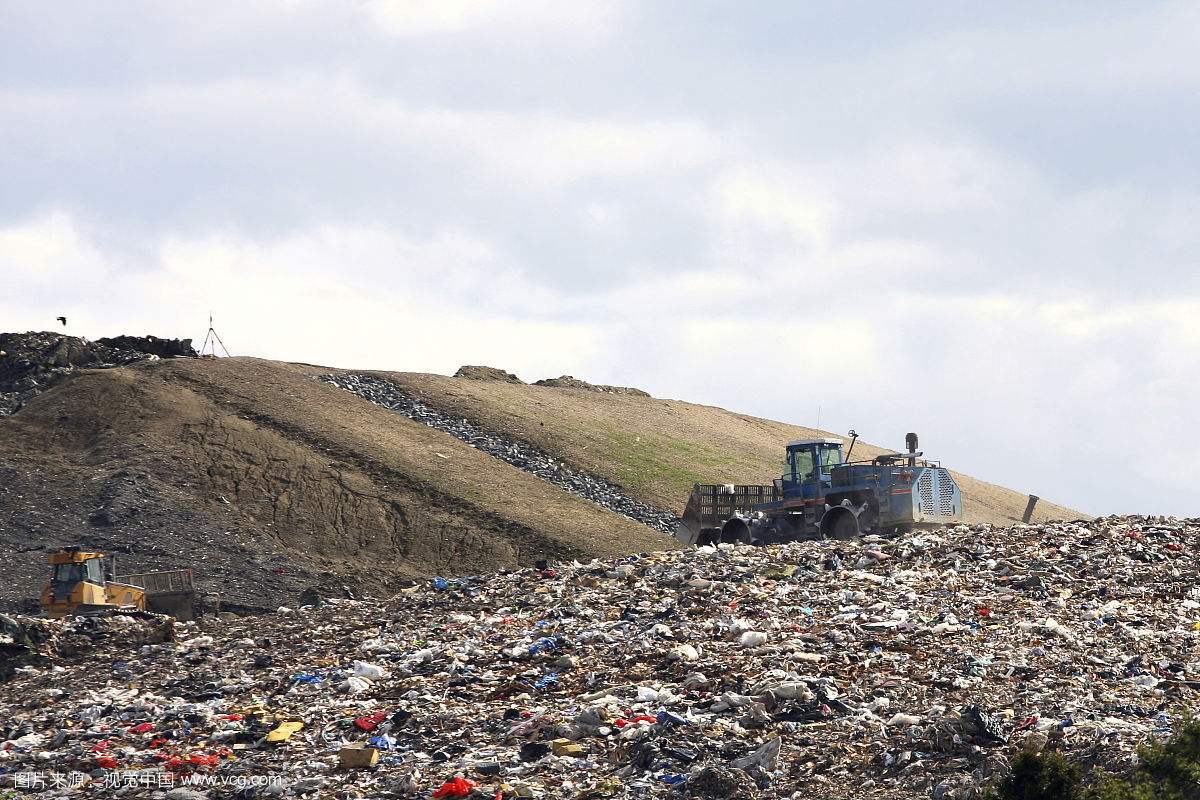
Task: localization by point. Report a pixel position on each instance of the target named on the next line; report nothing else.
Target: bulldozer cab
(69, 569)
(81, 582)
(809, 465)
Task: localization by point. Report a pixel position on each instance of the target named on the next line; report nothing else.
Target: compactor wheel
(845, 526)
(736, 531)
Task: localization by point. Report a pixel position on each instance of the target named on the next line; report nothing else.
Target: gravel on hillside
(519, 454)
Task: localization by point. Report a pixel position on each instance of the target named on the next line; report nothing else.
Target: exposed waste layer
(151, 345)
(519, 454)
(31, 363)
(909, 668)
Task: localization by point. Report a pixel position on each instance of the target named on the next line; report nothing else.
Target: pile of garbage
(31, 363)
(28, 640)
(480, 373)
(571, 382)
(912, 667)
(521, 455)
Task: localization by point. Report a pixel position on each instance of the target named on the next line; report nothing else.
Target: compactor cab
(809, 466)
(83, 583)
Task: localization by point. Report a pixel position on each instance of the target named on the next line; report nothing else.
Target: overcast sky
(977, 221)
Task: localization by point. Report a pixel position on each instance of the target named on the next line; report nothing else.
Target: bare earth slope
(658, 448)
(268, 481)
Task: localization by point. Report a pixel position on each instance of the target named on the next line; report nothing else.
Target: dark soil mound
(31, 363)
(571, 382)
(486, 374)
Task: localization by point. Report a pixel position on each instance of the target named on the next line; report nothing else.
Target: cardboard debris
(356, 756)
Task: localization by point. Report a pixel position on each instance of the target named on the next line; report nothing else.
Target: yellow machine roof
(72, 557)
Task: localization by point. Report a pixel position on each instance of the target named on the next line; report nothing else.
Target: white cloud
(230, 119)
(391, 301)
(776, 201)
(341, 296)
(1105, 48)
(552, 152)
(977, 225)
(45, 250)
(408, 18)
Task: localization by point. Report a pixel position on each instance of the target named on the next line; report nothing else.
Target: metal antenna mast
(211, 339)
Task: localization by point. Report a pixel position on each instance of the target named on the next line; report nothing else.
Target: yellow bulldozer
(86, 583)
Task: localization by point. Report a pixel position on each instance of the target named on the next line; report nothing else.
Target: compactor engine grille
(925, 492)
(945, 493)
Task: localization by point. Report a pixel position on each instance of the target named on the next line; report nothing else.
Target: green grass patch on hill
(661, 465)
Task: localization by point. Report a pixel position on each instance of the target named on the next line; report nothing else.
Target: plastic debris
(284, 731)
(371, 721)
(454, 788)
(370, 671)
(709, 673)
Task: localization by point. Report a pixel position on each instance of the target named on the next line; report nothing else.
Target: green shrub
(1040, 776)
(1168, 769)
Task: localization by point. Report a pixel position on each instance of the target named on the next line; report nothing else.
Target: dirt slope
(658, 448)
(269, 482)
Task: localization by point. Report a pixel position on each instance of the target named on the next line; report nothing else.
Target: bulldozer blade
(180, 605)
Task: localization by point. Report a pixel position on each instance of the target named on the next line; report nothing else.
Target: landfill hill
(658, 448)
(914, 667)
(269, 481)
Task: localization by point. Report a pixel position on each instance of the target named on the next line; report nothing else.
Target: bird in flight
(63, 320)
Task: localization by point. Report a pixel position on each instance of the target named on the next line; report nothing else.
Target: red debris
(621, 722)
(458, 787)
(370, 722)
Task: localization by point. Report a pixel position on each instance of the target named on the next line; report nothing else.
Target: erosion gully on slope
(519, 454)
